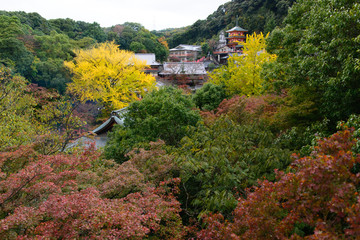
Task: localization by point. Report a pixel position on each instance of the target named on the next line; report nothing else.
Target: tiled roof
(186, 47)
(237, 28)
(192, 68)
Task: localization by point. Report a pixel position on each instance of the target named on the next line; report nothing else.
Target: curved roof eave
(237, 28)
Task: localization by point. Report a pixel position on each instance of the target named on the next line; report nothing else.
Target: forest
(268, 148)
(253, 15)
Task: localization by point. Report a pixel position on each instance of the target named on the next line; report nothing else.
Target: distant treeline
(36, 48)
(253, 15)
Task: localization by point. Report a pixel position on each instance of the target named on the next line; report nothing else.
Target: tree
(209, 96)
(58, 116)
(13, 53)
(54, 46)
(165, 114)
(137, 47)
(254, 15)
(108, 75)
(205, 49)
(10, 29)
(317, 199)
(51, 52)
(242, 74)
(318, 50)
(134, 37)
(16, 125)
(33, 114)
(218, 162)
(80, 195)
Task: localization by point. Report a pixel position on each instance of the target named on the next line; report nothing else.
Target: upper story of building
(236, 37)
(184, 53)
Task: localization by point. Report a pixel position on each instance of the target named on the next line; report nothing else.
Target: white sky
(152, 14)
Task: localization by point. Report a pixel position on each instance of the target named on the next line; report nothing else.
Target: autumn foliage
(317, 199)
(242, 75)
(82, 196)
(242, 109)
(108, 75)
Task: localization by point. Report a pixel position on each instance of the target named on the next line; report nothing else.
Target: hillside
(253, 15)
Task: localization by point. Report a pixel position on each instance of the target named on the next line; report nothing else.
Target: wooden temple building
(231, 44)
(236, 38)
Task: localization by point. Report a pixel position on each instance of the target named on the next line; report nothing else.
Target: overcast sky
(152, 14)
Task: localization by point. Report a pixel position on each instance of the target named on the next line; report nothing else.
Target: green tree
(13, 53)
(205, 49)
(54, 45)
(37, 23)
(137, 47)
(209, 96)
(51, 73)
(218, 162)
(134, 37)
(51, 52)
(318, 50)
(78, 29)
(165, 114)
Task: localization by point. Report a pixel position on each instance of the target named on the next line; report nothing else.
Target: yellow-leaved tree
(242, 73)
(108, 75)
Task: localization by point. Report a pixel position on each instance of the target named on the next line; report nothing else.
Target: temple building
(231, 44)
(236, 38)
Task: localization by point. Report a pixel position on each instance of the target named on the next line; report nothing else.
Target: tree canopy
(165, 114)
(15, 107)
(318, 49)
(242, 73)
(108, 75)
(36, 48)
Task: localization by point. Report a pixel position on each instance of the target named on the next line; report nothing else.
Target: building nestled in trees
(236, 36)
(184, 73)
(184, 53)
(99, 135)
(231, 44)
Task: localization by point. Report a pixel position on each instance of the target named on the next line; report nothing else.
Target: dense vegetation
(252, 15)
(270, 149)
(36, 48)
(165, 114)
